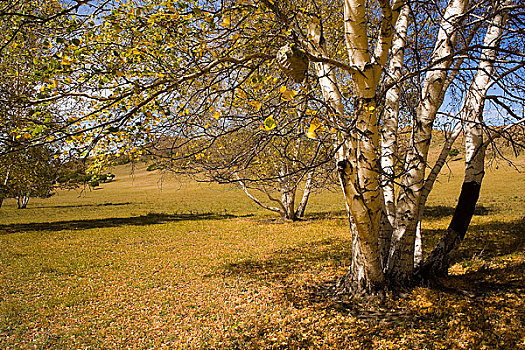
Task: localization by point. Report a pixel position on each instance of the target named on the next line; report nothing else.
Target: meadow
(157, 262)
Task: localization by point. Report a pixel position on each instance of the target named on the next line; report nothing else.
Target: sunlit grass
(140, 264)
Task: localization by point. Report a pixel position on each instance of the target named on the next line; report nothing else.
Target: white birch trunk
(299, 213)
(429, 184)
(288, 202)
(401, 257)
(255, 199)
(389, 132)
(437, 262)
(365, 272)
(360, 170)
(22, 201)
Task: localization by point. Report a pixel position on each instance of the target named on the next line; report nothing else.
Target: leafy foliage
(28, 173)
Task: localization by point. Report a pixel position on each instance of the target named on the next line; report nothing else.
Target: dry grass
(199, 266)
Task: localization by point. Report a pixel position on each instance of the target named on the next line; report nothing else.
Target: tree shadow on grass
(442, 211)
(487, 278)
(142, 220)
(489, 239)
(323, 215)
(494, 239)
(109, 204)
(285, 262)
(431, 213)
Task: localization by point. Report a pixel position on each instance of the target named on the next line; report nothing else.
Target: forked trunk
(400, 266)
(437, 262)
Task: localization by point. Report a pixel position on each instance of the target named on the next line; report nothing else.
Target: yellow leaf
(311, 134)
(257, 105)
(269, 124)
(226, 21)
(282, 89)
(217, 115)
(370, 109)
(314, 125)
(289, 95)
(310, 112)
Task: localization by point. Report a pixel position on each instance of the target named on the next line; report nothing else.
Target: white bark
(287, 194)
(389, 131)
(355, 33)
(22, 201)
(427, 188)
(391, 114)
(358, 176)
(401, 257)
(299, 213)
(255, 199)
(472, 114)
(475, 99)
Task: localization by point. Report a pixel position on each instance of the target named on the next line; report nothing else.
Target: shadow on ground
(323, 215)
(149, 219)
(94, 205)
(288, 261)
(442, 211)
(484, 241)
(431, 213)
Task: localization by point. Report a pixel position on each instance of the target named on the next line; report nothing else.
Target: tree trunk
(256, 200)
(389, 133)
(437, 262)
(400, 266)
(359, 175)
(429, 184)
(22, 201)
(288, 203)
(299, 213)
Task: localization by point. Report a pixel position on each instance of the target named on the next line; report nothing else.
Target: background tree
(264, 142)
(28, 173)
(260, 161)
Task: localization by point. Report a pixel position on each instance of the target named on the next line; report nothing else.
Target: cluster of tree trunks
(386, 229)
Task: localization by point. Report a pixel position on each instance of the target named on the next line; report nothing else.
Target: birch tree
(176, 65)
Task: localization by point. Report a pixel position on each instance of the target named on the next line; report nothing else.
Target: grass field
(142, 263)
